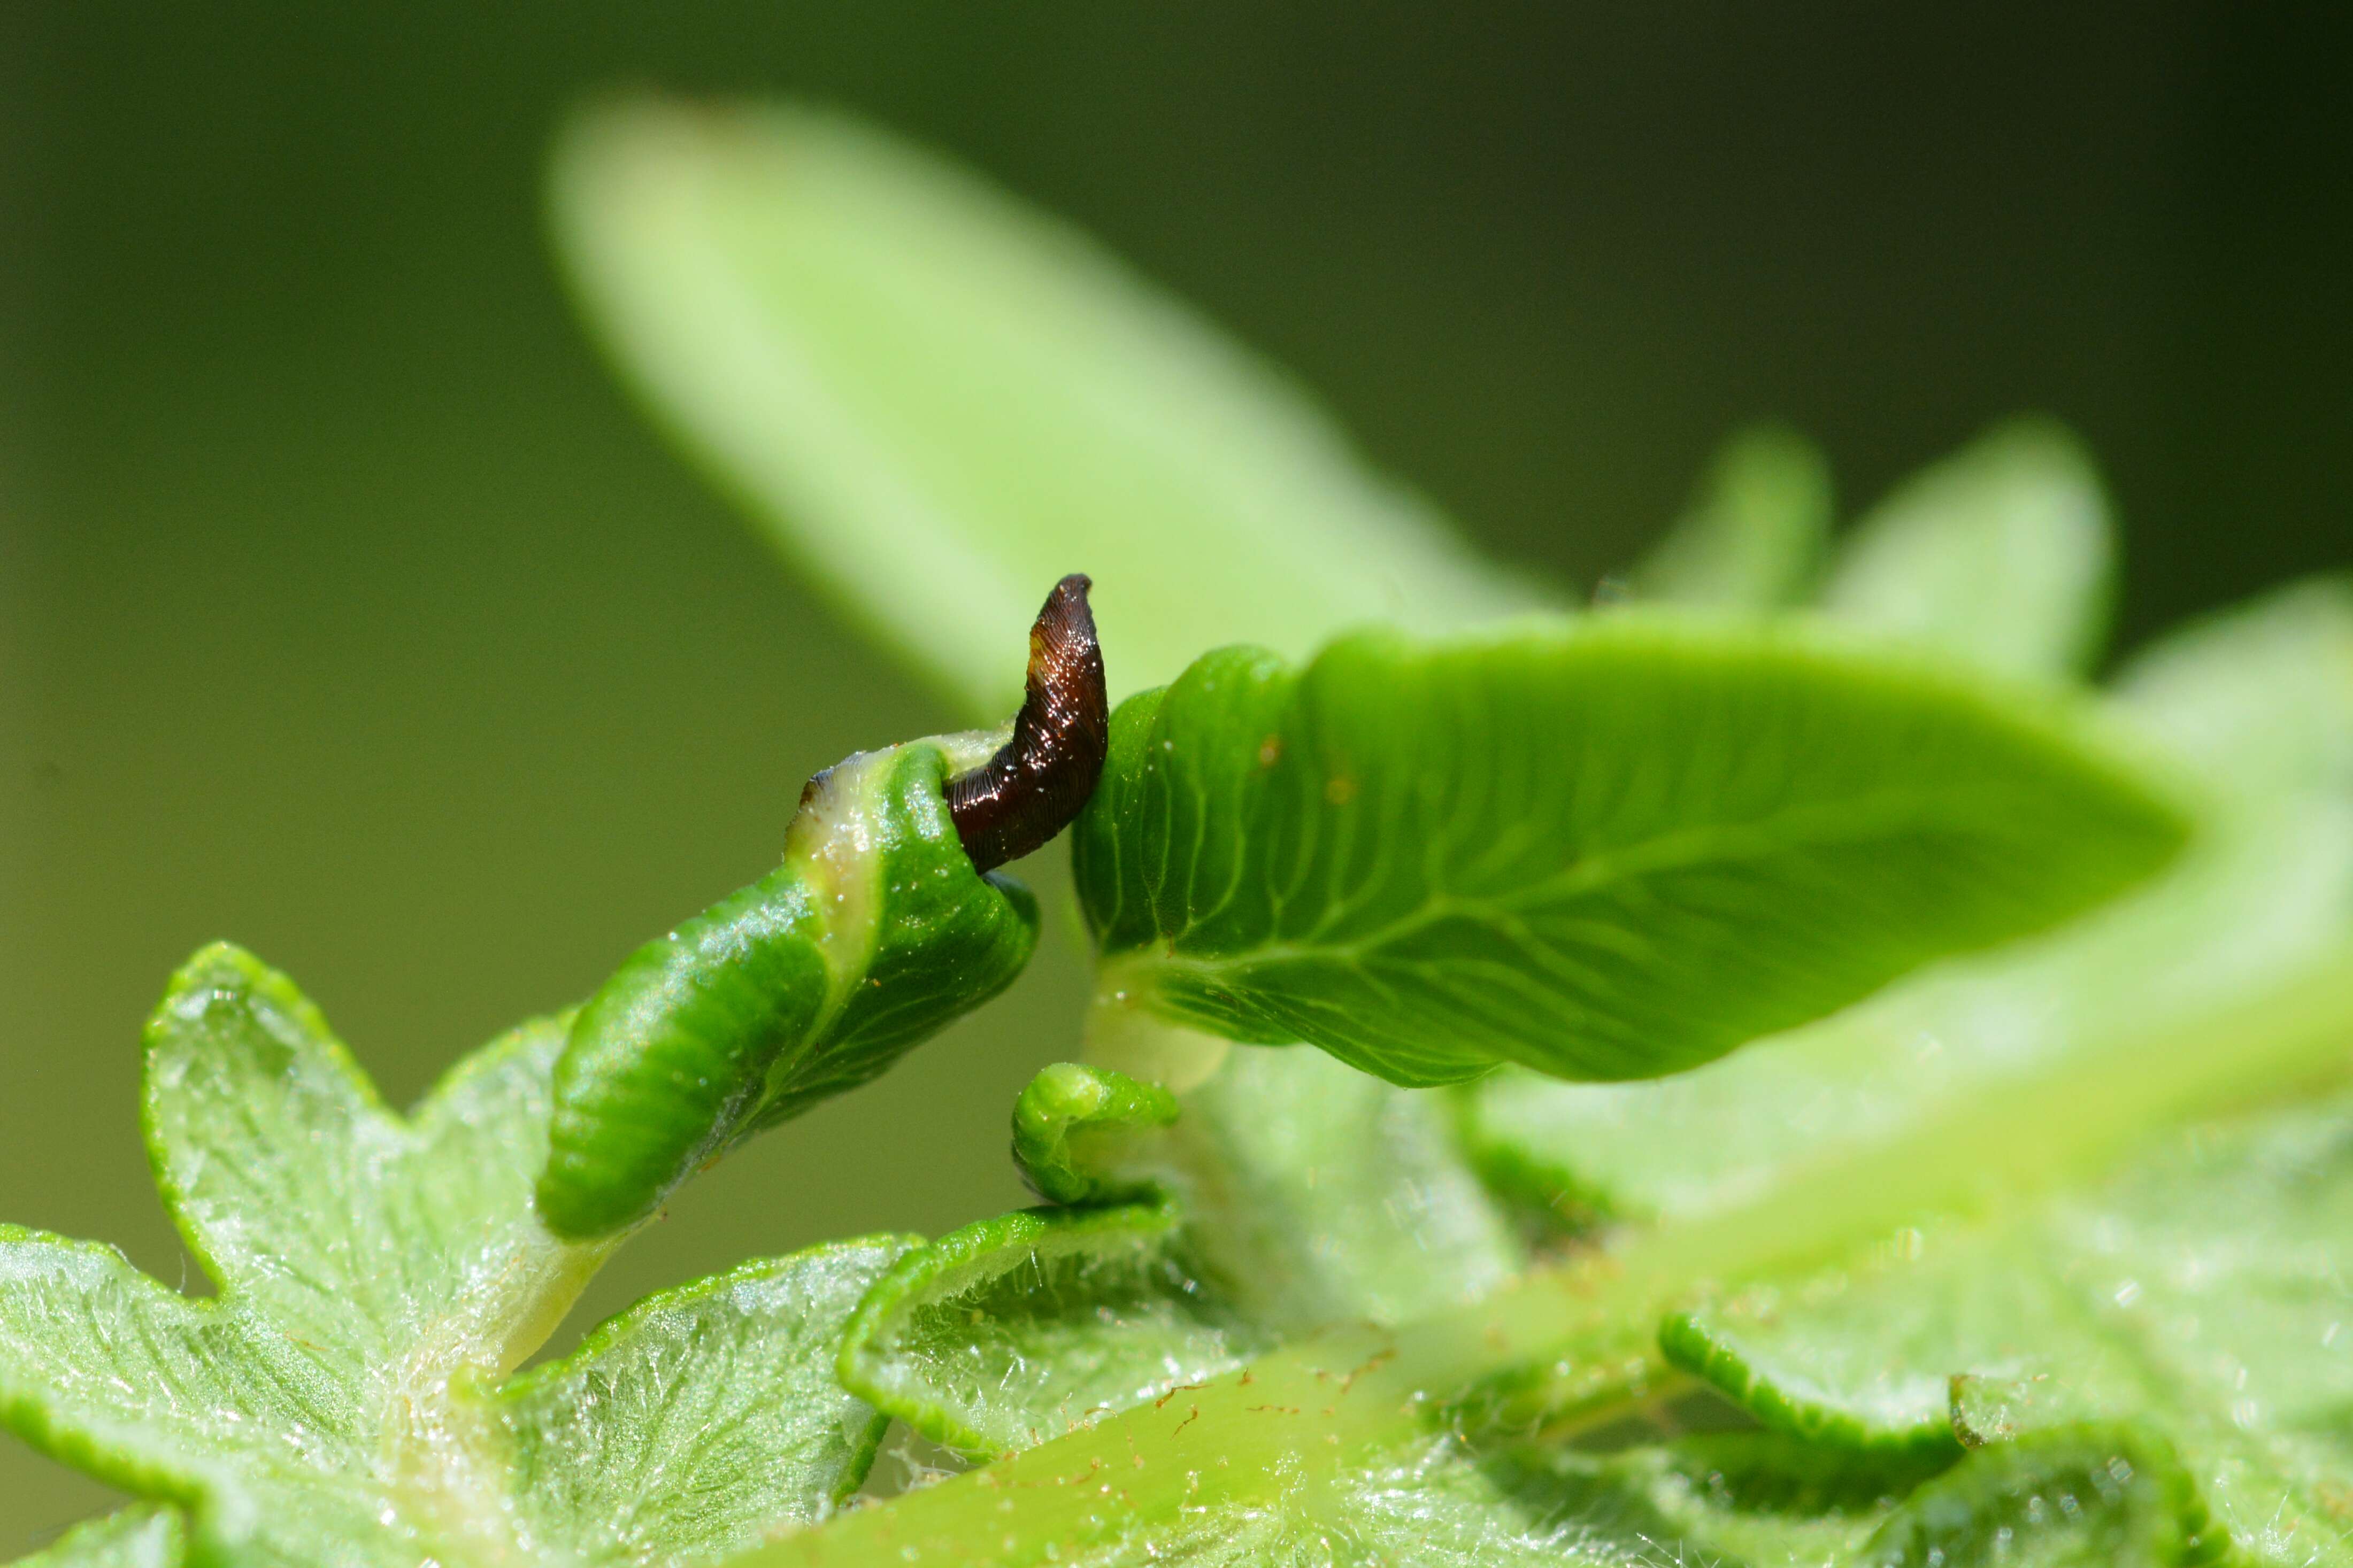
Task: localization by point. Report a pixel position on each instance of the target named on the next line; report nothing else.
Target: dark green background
(350, 613)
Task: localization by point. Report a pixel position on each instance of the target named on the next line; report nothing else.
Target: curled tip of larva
(1041, 779)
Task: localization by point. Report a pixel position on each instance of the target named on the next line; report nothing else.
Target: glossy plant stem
(1576, 1341)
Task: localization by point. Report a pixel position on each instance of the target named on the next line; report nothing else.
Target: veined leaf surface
(2257, 706)
(703, 1420)
(1017, 1330)
(342, 1399)
(2202, 1293)
(1605, 849)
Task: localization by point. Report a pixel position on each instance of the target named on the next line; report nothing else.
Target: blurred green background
(351, 612)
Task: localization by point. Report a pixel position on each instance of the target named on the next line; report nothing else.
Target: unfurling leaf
(1605, 849)
(1017, 1330)
(874, 933)
(1076, 1131)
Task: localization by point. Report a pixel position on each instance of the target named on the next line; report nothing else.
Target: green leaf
(2201, 1293)
(1753, 537)
(2002, 553)
(1017, 1330)
(700, 1420)
(875, 933)
(2096, 1496)
(139, 1537)
(2111, 1496)
(365, 1239)
(938, 400)
(1733, 1498)
(1301, 1424)
(1076, 1132)
(1609, 849)
(2259, 698)
(2258, 705)
(340, 1400)
(1831, 1402)
(1292, 1192)
(1314, 1194)
(363, 1260)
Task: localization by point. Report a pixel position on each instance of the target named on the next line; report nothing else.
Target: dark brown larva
(1037, 780)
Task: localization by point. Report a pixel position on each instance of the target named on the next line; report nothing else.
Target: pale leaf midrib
(1888, 814)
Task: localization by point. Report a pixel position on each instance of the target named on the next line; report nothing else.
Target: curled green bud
(874, 933)
(1077, 1129)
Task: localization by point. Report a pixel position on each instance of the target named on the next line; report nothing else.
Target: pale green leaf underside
(2003, 554)
(143, 1536)
(2206, 1291)
(1297, 1193)
(369, 1238)
(1317, 1194)
(1607, 850)
(363, 1259)
(2200, 1295)
(703, 1420)
(339, 1400)
(939, 401)
(1015, 1331)
(1754, 535)
(2258, 704)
